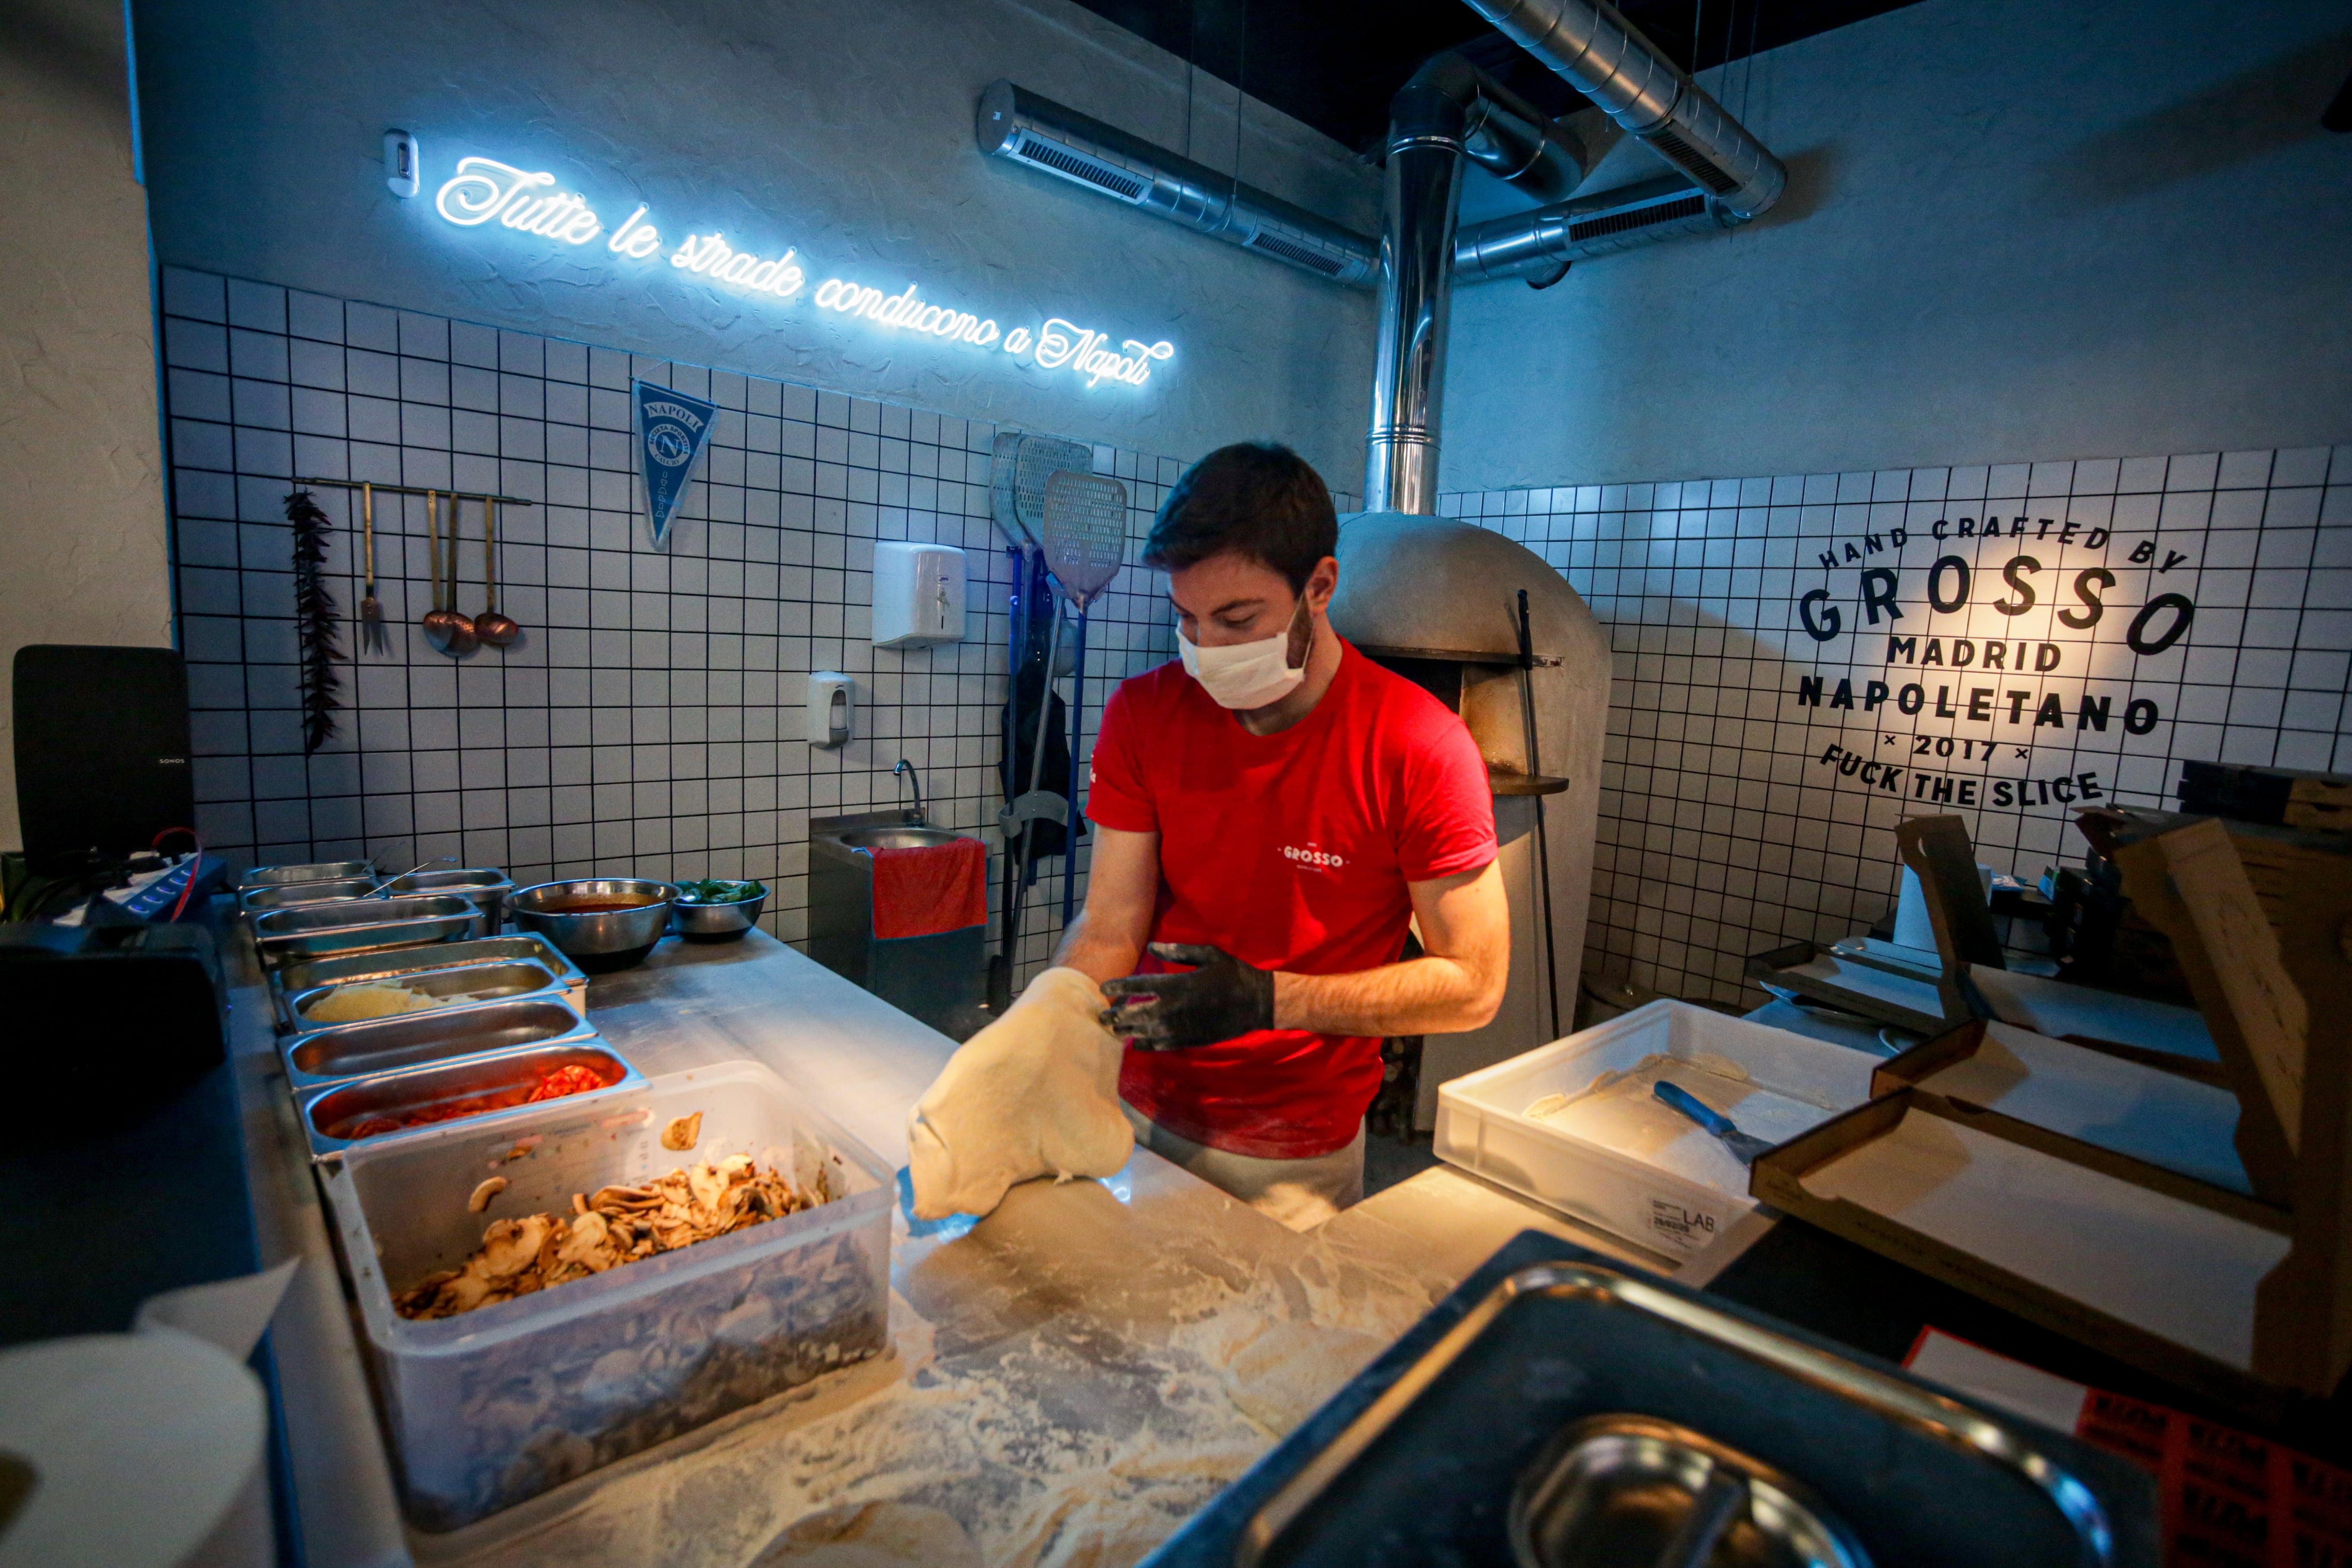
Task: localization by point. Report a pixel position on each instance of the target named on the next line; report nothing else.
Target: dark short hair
(1257, 498)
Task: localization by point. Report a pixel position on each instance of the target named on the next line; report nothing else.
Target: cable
(195, 864)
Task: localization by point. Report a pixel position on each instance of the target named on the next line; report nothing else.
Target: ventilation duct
(1599, 54)
(1733, 178)
(1540, 245)
(1018, 125)
(1448, 113)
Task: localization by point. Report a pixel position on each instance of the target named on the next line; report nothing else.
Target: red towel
(927, 890)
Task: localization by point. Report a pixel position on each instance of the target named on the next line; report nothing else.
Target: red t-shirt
(1290, 851)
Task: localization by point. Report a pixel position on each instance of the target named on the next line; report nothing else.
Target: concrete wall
(843, 131)
(2015, 231)
(82, 545)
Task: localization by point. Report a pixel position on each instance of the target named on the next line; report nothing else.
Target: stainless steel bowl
(599, 942)
(317, 871)
(484, 887)
(414, 1039)
(720, 922)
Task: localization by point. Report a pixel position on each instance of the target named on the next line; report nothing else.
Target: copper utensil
(371, 635)
(445, 628)
(492, 627)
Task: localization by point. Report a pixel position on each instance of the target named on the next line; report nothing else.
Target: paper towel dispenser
(918, 594)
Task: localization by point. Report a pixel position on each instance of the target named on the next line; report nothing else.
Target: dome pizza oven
(1438, 602)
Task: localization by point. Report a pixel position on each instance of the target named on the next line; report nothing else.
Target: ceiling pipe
(1540, 245)
(1431, 131)
(1598, 52)
(1448, 113)
(1019, 126)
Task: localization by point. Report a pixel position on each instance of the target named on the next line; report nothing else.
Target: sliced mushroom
(684, 1132)
(511, 1246)
(490, 1188)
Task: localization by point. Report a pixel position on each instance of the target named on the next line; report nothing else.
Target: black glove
(1219, 998)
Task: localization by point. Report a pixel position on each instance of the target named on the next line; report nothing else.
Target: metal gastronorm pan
(486, 887)
(285, 895)
(1425, 1473)
(295, 978)
(413, 1040)
(317, 871)
(357, 925)
(327, 1114)
(498, 980)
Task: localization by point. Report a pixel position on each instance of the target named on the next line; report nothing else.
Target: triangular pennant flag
(672, 430)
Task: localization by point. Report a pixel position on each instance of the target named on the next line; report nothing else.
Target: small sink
(936, 978)
(897, 837)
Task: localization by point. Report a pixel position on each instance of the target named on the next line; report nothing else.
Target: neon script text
(484, 190)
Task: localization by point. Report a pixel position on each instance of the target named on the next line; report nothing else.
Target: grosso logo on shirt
(1313, 857)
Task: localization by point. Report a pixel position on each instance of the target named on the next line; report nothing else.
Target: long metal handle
(408, 489)
(490, 554)
(367, 528)
(1037, 771)
(433, 543)
(1543, 840)
(1016, 642)
(1078, 722)
(388, 881)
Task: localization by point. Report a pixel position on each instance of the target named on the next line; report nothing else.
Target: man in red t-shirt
(1272, 811)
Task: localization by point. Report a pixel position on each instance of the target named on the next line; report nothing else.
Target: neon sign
(484, 190)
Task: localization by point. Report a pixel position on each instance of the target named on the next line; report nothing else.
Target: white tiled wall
(650, 721)
(1728, 825)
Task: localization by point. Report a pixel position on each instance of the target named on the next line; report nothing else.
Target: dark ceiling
(1336, 63)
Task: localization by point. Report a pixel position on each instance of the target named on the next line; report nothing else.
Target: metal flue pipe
(1540, 246)
(1603, 57)
(1449, 112)
(1432, 131)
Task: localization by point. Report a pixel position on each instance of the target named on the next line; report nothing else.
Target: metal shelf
(1509, 781)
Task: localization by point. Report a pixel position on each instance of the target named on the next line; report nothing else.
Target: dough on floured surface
(1033, 1094)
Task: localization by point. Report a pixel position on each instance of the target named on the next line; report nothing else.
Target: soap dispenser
(829, 710)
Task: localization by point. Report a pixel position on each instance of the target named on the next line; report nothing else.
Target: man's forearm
(1096, 953)
(1426, 995)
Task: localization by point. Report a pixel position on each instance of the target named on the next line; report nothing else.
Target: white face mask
(1244, 675)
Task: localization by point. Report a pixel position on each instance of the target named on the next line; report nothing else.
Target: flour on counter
(1618, 1111)
(1078, 1442)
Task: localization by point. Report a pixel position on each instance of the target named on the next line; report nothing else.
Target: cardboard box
(2136, 1261)
(2180, 1121)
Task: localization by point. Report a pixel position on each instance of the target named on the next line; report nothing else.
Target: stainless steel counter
(1070, 1382)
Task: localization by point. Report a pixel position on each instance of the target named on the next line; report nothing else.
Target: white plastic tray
(494, 1406)
(1682, 1189)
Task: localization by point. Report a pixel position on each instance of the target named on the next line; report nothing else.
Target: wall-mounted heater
(1016, 124)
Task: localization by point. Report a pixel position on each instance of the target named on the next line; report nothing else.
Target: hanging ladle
(492, 627)
(445, 628)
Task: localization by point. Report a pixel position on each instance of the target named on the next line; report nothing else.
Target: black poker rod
(1535, 769)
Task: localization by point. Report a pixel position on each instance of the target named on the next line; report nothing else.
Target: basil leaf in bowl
(712, 891)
